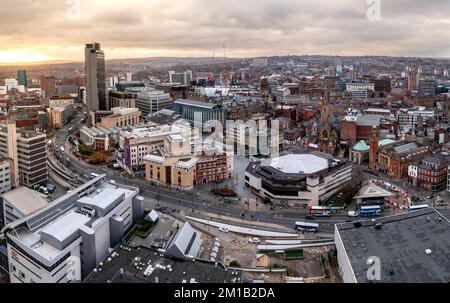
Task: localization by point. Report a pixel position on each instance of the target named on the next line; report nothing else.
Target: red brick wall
(348, 131)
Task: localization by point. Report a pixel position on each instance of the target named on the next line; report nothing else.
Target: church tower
(325, 109)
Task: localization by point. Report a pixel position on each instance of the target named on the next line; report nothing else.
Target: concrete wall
(345, 268)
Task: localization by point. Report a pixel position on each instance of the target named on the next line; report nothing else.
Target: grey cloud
(247, 27)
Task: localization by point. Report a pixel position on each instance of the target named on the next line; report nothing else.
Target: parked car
(254, 240)
(430, 197)
(224, 229)
(310, 217)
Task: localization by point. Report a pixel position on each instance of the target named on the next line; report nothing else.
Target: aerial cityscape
(275, 146)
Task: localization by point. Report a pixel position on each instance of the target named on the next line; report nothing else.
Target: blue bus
(370, 211)
(306, 226)
(417, 207)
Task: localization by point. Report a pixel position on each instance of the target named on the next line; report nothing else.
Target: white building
(281, 93)
(13, 83)
(151, 101)
(359, 89)
(141, 141)
(184, 78)
(69, 238)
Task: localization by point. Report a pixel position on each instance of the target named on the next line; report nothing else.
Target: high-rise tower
(95, 78)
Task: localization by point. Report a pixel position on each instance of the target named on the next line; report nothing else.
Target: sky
(40, 30)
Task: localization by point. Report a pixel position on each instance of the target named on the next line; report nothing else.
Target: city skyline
(198, 28)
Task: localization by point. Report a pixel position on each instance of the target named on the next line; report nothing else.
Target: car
(352, 214)
(224, 229)
(309, 217)
(254, 240)
(430, 197)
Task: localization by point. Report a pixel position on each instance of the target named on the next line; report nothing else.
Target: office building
(61, 115)
(406, 248)
(411, 80)
(151, 101)
(190, 109)
(5, 175)
(95, 78)
(359, 90)
(8, 149)
(122, 99)
(299, 179)
(174, 164)
(13, 84)
(432, 172)
(184, 78)
(427, 87)
(69, 238)
(141, 141)
(22, 78)
(120, 116)
(27, 151)
(31, 150)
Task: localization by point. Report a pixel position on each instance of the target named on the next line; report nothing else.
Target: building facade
(298, 179)
(119, 117)
(151, 101)
(69, 238)
(206, 112)
(122, 99)
(95, 77)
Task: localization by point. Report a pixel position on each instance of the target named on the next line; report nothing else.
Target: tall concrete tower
(95, 78)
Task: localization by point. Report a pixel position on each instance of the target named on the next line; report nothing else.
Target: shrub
(86, 150)
(98, 158)
(235, 263)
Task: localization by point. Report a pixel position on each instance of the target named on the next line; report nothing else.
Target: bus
(320, 211)
(306, 226)
(417, 207)
(369, 211)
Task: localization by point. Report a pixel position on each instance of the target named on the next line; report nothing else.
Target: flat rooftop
(400, 244)
(135, 262)
(25, 200)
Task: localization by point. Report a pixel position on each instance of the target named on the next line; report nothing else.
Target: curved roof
(299, 163)
(361, 146)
